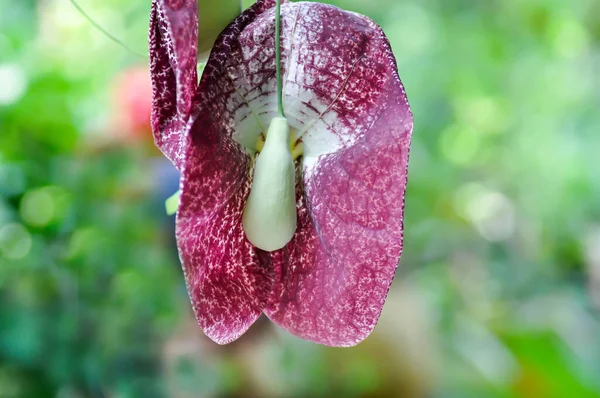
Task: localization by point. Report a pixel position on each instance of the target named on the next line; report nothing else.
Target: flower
(350, 122)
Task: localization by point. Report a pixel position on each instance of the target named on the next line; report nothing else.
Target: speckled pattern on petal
(227, 283)
(333, 278)
(343, 95)
(172, 46)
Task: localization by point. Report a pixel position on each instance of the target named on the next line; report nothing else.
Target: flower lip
(269, 217)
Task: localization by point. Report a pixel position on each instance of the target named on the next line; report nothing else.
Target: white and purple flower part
(298, 217)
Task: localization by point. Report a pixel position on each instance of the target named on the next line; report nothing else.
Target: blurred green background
(498, 293)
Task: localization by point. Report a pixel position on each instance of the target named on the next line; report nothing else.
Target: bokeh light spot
(13, 83)
(411, 28)
(483, 114)
(460, 145)
(570, 38)
(490, 212)
(39, 207)
(15, 241)
(493, 216)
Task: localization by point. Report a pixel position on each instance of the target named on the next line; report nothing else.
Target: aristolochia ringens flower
(298, 217)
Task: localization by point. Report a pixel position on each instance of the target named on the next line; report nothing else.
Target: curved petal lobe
(173, 38)
(227, 282)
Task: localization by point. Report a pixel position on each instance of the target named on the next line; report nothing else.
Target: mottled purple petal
(228, 285)
(333, 278)
(343, 95)
(332, 282)
(173, 39)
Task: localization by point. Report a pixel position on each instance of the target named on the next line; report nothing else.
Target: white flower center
(269, 217)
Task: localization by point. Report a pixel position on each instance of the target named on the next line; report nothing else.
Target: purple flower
(346, 152)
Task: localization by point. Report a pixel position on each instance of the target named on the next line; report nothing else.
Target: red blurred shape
(132, 99)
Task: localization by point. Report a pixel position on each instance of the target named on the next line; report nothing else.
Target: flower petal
(333, 278)
(227, 282)
(173, 39)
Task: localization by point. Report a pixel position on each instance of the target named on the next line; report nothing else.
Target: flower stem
(104, 31)
(278, 57)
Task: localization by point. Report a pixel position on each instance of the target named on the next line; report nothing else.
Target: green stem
(278, 57)
(104, 31)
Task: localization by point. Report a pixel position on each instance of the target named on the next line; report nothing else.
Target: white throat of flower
(269, 217)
